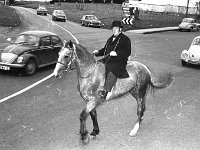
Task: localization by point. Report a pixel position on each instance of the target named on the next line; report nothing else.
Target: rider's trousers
(109, 81)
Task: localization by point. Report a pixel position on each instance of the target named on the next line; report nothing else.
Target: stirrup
(102, 94)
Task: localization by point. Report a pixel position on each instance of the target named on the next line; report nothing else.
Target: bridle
(72, 57)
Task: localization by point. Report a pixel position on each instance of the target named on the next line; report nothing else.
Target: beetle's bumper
(194, 62)
(5, 66)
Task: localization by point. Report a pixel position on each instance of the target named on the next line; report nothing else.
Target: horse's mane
(83, 54)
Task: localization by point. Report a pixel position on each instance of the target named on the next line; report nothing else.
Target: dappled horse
(91, 78)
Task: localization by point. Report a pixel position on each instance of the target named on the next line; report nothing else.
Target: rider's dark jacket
(116, 64)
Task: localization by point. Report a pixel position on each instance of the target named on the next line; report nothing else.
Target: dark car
(42, 10)
(90, 20)
(59, 15)
(31, 50)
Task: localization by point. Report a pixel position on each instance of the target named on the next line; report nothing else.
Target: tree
(80, 4)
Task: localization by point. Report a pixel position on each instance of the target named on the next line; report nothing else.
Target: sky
(172, 2)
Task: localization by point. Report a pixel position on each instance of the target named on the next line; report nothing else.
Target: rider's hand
(95, 51)
(113, 53)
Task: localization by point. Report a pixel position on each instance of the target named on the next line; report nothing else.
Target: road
(47, 116)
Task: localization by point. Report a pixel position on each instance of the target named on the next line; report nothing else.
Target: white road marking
(25, 89)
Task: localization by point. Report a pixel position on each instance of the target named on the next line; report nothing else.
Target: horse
(91, 78)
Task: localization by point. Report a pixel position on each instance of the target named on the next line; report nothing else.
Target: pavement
(153, 30)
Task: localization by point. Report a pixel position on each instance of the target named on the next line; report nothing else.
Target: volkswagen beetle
(192, 55)
(30, 50)
(189, 24)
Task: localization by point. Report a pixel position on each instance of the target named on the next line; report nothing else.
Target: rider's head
(116, 28)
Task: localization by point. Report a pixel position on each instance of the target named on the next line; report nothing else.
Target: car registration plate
(4, 67)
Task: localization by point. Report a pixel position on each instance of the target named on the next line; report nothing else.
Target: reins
(68, 66)
(74, 56)
(109, 53)
(70, 62)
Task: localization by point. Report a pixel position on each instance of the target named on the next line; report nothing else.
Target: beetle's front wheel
(30, 67)
(183, 63)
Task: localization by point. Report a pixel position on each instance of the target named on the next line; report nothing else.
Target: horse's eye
(66, 56)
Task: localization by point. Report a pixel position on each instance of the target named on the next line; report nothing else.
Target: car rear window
(46, 41)
(56, 40)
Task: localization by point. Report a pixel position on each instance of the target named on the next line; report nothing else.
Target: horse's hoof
(86, 140)
(133, 134)
(92, 137)
(135, 129)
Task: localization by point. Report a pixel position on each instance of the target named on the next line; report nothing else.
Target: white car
(192, 55)
(59, 15)
(189, 24)
(42, 10)
(90, 20)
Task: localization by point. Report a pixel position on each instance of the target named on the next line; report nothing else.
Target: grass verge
(9, 17)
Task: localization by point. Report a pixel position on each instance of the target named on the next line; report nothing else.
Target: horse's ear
(64, 43)
(70, 44)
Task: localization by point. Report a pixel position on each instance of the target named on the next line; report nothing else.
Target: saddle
(124, 74)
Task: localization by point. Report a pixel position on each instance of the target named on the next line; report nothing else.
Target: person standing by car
(116, 52)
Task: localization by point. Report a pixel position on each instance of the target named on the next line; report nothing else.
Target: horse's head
(65, 58)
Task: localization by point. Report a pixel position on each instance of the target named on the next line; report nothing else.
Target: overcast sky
(172, 2)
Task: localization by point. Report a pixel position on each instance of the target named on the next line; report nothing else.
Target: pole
(187, 8)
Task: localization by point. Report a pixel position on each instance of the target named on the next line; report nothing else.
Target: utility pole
(187, 8)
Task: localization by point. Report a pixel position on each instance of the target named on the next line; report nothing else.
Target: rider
(116, 52)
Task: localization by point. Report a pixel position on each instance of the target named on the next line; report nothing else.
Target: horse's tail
(163, 81)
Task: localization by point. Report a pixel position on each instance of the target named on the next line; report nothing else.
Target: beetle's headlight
(20, 59)
(185, 55)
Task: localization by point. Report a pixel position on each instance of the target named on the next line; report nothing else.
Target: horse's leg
(83, 131)
(141, 99)
(83, 117)
(95, 131)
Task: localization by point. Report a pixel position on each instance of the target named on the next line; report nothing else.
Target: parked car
(30, 50)
(42, 10)
(90, 20)
(189, 24)
(59, 15)
(192, 55)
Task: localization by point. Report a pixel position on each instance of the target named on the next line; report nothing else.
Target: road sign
(127, 21)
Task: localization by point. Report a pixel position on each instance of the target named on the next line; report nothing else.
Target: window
(46, 41)
(25, 38)
(56, 41)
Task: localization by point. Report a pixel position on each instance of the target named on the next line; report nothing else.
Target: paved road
(47, 117)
